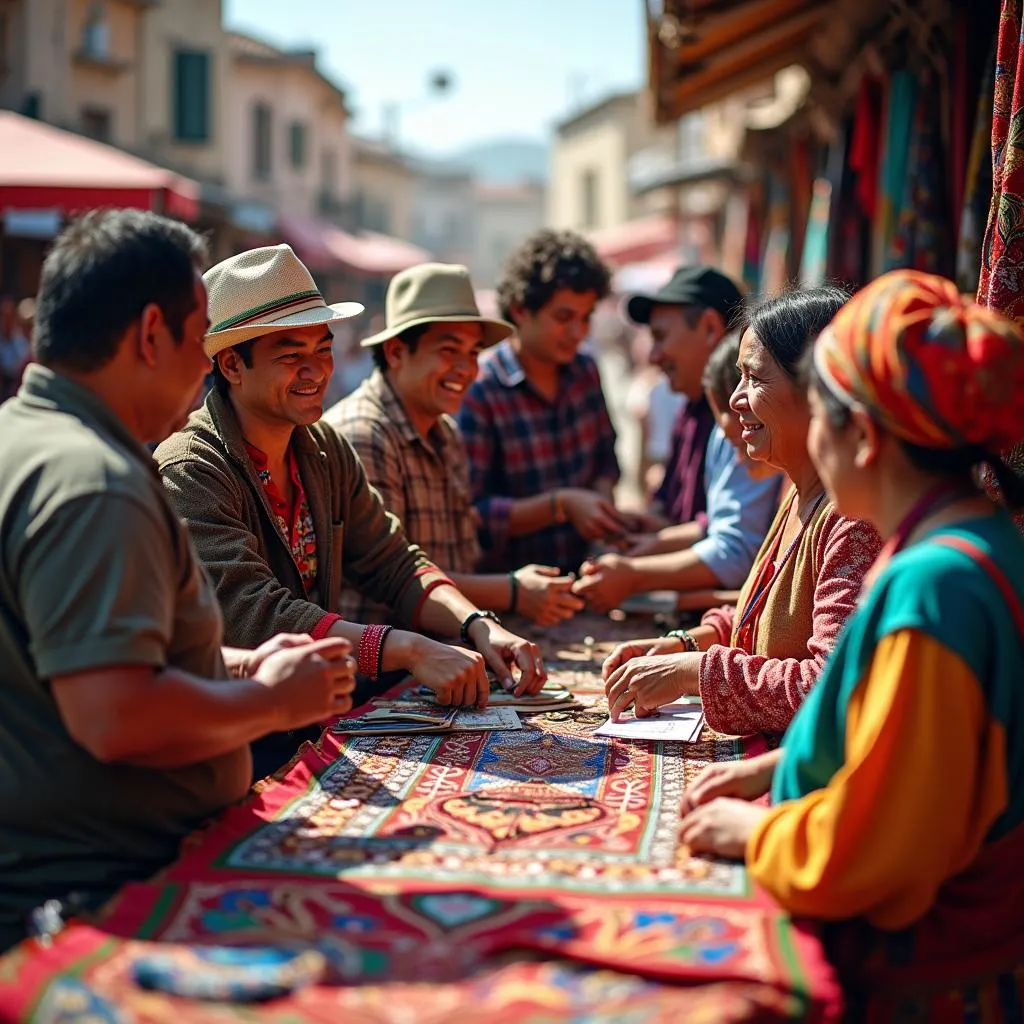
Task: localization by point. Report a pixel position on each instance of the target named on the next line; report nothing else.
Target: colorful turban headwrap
(933, 367)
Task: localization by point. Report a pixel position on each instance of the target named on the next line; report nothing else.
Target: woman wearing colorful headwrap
(898, 793)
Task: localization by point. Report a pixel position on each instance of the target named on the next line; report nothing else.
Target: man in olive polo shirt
(121, 727)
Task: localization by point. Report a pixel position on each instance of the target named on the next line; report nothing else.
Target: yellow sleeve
(923, 780)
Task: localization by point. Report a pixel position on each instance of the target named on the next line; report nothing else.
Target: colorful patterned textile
(293, 519)
(1002, 269)
(920, 237)
(918, 718)
(936, 370)
(511, 873)
(893, 165)
(520, 445)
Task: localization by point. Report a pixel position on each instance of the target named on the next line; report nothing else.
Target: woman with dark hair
(898, 792)
(753, 664)
(720, 380)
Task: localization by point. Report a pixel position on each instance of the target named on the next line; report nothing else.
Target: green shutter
(191, 96)
(298, 144)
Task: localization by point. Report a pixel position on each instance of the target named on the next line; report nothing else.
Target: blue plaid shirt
(520, 445)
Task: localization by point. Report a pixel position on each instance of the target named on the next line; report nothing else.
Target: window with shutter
(297, 144)
(262, 136)
(191, 96)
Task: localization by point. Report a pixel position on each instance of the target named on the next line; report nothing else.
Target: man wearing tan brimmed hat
(280, 509)
(400, 422)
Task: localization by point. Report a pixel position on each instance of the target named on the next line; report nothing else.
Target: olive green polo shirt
(95, 570)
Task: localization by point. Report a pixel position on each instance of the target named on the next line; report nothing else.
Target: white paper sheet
(680, 723)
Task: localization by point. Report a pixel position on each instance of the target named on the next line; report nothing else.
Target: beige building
(184, 87)
(75, 63)
(504, 216)
(285, 141)
(588, 187)
(384, 189)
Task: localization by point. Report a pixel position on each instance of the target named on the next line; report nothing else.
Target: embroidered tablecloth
(531, 875)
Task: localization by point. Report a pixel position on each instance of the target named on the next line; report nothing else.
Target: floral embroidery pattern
(294, 522)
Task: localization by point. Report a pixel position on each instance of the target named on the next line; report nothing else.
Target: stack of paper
(391, 717)
(681, 723)
(551, 698)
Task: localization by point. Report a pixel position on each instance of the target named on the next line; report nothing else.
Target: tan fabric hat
(434, 293)
(261, 291)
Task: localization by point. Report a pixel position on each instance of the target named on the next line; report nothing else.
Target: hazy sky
(517, 64)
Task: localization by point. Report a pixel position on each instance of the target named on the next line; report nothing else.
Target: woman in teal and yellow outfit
(898, 794)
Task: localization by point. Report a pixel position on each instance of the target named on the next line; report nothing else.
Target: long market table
(518, 876)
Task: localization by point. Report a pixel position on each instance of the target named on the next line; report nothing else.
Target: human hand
(639, 649)
(648, 683)
(637, 545)
(643, 522)
(593, 516)
(504, 651)
(544, 596)
(745, 780)
(283, 641)
(309, 682)
(456, 675)
(605, 582)
(721, 827)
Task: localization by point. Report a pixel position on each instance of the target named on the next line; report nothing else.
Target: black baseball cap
(690, 286)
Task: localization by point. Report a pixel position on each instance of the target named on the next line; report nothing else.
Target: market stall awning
(46, 168)
(638, 239)
(324, 247)
(704, 50)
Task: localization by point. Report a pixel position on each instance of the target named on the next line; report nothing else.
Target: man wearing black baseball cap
(718, 513)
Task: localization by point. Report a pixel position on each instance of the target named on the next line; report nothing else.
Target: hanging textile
(893, 168)
(1002, 268)
(755, 233)
(815, 257)
(977, 186)
(774, 259)
(865, 141)
(921, 235)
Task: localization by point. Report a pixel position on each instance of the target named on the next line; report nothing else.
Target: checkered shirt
(521, 445)
(423, 482)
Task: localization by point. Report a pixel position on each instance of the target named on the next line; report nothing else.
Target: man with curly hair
(540, 441)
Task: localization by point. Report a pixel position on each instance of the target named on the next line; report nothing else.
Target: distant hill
(501, 161)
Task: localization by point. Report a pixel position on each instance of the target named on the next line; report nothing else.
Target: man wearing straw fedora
(280, 509)
(400, 423)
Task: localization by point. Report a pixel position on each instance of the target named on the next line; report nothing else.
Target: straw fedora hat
(434, 293)
(262, 291)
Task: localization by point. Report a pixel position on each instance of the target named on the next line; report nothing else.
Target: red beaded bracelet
(370, 656)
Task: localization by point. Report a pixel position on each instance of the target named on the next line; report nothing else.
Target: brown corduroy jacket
(212, 484)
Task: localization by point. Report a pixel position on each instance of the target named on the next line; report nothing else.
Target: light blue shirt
(739, 511)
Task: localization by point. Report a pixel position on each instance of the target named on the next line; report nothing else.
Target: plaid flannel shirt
(521, 445)
(423, 482)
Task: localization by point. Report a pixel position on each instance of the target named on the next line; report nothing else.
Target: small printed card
(680, 723)
(393, 717)
(551, 697)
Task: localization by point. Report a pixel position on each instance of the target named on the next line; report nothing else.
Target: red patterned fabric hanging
(1002, 270)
